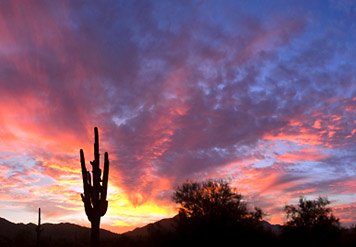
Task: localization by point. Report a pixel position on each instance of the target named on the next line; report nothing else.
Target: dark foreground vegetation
(211, 214)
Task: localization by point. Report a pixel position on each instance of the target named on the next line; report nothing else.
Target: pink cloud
(306, 154)
(183, 102)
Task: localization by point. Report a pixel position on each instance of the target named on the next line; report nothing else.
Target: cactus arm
(104, 188)
(87, 206)
(86, 186)
(84, 173)
(105, 176)
(82, 162)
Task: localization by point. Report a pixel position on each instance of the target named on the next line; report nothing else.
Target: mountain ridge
(18, 234)
(167, 223)
(15, 234)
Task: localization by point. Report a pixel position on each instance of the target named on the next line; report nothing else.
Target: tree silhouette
(211, 213)
(311, 221)
(213, 199)
(311, 213)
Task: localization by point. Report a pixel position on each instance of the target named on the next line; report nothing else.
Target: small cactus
(95, 190)
(39, 228)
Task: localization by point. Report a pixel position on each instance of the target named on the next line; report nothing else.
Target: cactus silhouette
(95, 190)
(39, 228)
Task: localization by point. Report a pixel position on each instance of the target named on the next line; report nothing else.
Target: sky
(260, 93)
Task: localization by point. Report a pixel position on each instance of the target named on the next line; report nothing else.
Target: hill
(160, 233)
(169, 225)
(165, 225)
(63, 234)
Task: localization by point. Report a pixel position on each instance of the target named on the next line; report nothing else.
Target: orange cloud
(304, 137)
(306, 154)
(189, 109)
(346, 213)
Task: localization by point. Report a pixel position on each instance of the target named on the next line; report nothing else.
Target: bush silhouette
(311, 214)
(213, 200)
(212, 213)
(311, 222)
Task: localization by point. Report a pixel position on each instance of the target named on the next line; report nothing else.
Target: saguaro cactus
(95, 190)
(39, 228)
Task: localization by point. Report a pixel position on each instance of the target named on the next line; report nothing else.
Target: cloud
(302, 155)
(178, 92)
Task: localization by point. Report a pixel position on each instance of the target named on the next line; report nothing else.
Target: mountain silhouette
(160, 233)
(165, 225)
(168, 225)
(62, 234)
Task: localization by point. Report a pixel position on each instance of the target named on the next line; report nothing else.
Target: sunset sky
(259, 93)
